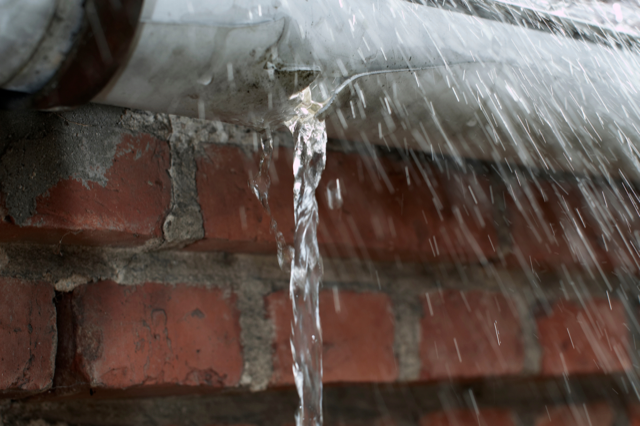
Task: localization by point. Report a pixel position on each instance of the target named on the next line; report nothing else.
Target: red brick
(378, 220)
(552, 224)
(465, 323)
(486, 417)
(599, 414)
(226, 199)
(157, 335)
(128, 210)
(405, 222)
(591, 340)
(28, 336)
(620, 224)
(358, 340)
(634, 414)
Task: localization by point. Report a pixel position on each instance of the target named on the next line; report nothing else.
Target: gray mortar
(211, 270)
(200, 132)
(257, 334)
(351, 404)
(67, 284)
(407, 313)
(184, 223)
(194, 130)
(158, 125)
(40, 149)
(138, 265)
(532, 351)
(56, 264)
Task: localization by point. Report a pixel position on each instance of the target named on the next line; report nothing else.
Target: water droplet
(334, 194)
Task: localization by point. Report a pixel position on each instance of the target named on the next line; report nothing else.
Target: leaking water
(304, 257)
(306, 268)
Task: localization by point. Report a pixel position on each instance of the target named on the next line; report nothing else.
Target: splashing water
(306, 268)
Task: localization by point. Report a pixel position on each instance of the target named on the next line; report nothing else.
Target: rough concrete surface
(184, 222)
(39, 149)
(257, 334)
(407, 311)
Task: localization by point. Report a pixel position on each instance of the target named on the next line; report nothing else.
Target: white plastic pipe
(23, 24)
(35, 37)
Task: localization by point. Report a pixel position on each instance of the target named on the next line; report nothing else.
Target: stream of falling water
(310, 138)
(260, 187)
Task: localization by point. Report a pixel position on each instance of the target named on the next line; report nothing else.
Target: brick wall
(139, 283)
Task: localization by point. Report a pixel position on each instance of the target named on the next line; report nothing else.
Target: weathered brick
(485, 417)
(357, 331)
(389, 210)
(599, 414)
(28, 336)
(157, 336)
(633, 411)
(577, 340)
(128, 210)
(469, 334)
(618, 223)
(552, 224)
(589, 223)
(234, 220)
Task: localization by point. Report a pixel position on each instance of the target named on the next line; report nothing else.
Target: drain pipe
(390, 72)
(61, 53)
